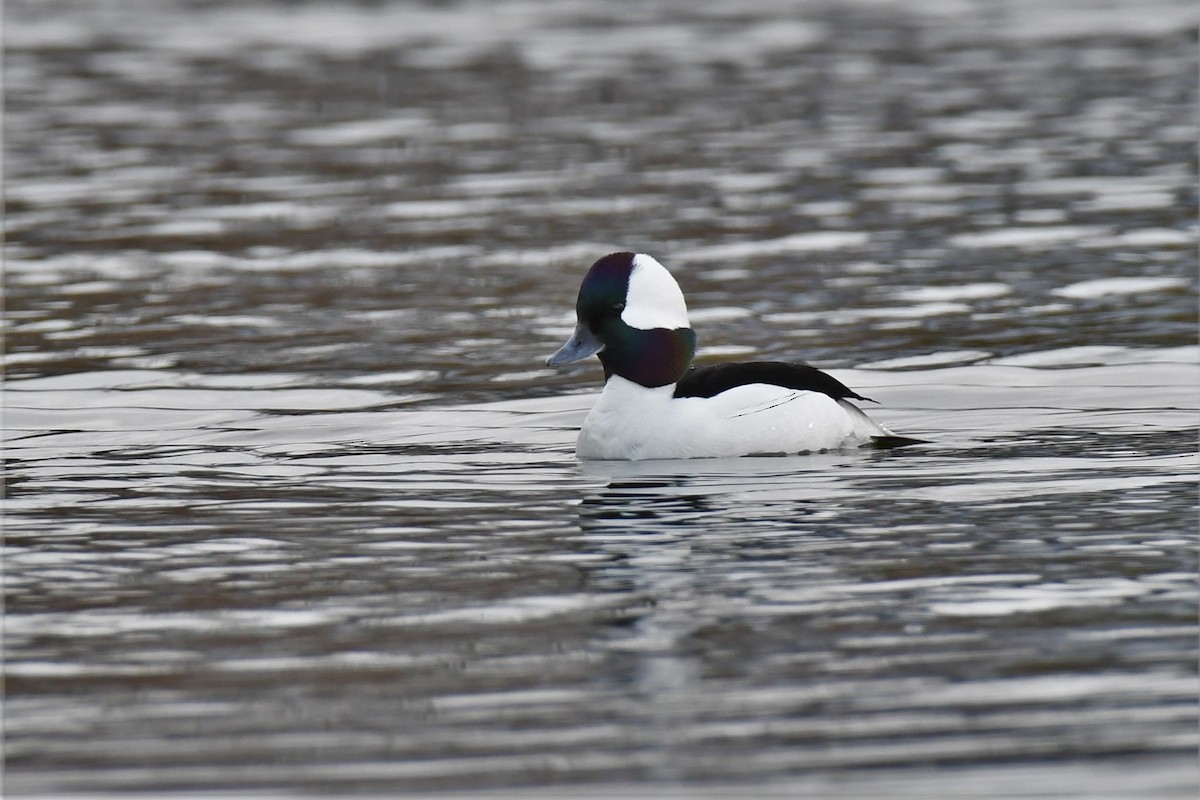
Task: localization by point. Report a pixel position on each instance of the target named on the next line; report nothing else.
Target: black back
(711, 380)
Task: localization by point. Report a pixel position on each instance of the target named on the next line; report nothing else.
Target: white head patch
(654, 299)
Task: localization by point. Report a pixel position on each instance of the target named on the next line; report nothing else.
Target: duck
(655, 404)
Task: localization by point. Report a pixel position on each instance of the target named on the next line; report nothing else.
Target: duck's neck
(656, 357)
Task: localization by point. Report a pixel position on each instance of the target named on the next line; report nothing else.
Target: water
(291, 501)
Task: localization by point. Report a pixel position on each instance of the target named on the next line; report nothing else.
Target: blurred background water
(292, 503)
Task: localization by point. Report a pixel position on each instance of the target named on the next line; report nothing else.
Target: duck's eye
(617, 308)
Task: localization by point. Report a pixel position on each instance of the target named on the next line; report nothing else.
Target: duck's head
(631, 313)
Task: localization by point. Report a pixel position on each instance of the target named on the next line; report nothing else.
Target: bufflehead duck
(631, 313)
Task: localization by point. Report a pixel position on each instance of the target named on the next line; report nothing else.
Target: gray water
(292, 505)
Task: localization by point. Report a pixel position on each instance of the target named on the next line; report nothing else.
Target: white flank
(631, 422)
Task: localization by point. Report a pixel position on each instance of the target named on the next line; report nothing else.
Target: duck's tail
(876, 435)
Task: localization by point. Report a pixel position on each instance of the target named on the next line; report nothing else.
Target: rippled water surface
(292, 504)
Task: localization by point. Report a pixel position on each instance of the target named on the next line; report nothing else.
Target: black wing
(711, 380)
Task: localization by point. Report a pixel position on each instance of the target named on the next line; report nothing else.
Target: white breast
(630, 421)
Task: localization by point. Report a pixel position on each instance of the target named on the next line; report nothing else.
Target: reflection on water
(443, 596)
(291, 502)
